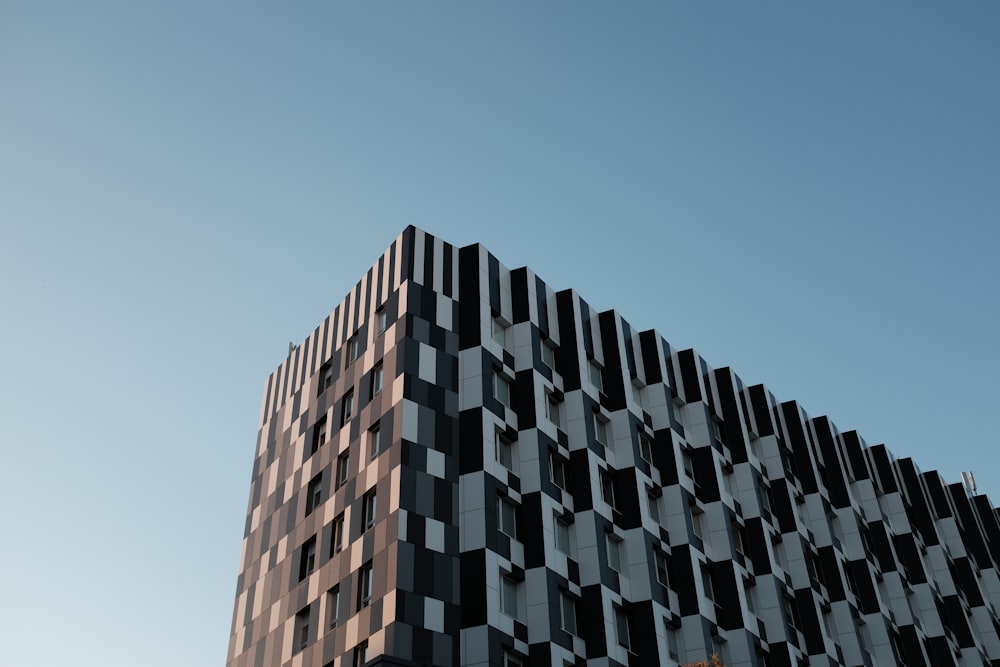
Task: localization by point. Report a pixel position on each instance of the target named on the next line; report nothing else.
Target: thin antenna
(965, 480)
(972, 481)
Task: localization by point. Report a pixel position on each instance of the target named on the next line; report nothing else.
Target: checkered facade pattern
(461, 466)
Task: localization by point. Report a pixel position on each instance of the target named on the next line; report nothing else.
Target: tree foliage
(714, 661)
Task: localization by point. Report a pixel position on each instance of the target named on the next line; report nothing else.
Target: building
(461, 466)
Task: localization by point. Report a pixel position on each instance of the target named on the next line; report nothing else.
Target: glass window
(505, 451)
(377, 378)
(314, 493)
(500, 333)
(353, 349)
(621, 626)
(319, 435)
(374, 441)
(347, 407)
(654, 507)
(645, 448)
(307, 558)
(381, 319)
(607, 489)
(548, 355)
(338, 535)
(596, 376)
(343, 469)
(508, 518)
(602, 430)
(561, 529)
(364, 585)
(333, 606)
(661, 567)
(501, 389)
(614, 553)
(302, 629)
(568, 613)
(368, 509)
(508, 596)
(557, 470)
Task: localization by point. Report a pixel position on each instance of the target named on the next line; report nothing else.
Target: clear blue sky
(807, 192)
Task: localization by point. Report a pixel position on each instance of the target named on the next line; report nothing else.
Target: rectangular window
(739, 538)
(792, 610)
(548, 355)
(377, 378)
(553, 410)
(361, 654)
(319, 435)
(688, 464)
(654, 507)
(364, 585)
(353, 349)
(302, 629)
(368, 509)
(500, 333)
(661, 567)
(621, 627)
(596, 376)
(508, 596)
(614, 553)
(675, 646)
(706, 582)
(374, 440)
(602, 430)
(343, 469)
(561, 531)
(307, 559)
(696, 527)
(347, 407)
(557, 470)
(512, 660)
(381, 319)
(508, 518)
(645, 448)
(337, 545)
(333, 606)
(501, 389)
(765, 497)
(505, 451)
(325, 378)
(567, 607)
(607, 489)
(314, 493)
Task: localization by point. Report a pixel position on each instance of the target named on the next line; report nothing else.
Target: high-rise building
(461, 466)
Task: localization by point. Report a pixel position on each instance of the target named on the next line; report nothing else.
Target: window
(501, 389)
(512, 660)
(319, 435)
(377, 379)
(739, 538)
(374, 440)
(621, 627)
(607, 489)
(500, 332)
(325, 378)
(314, 493)
(548, 355)
(343, 469)
(596, 376)
(675, 646)
(508, 596)
(601, 430)
(614, 553)
(660, 560)
(505, 451)
(307, 559)
(333, 606)
(508, 518)
(561, 531)
(696, 527)
(792, 610)
(553, 411)
(637, 396)
(688, 464)
(302, 629)
(364, 585)
(353, 349)
(645, 448)
(706, 582)
(361, 654)
(751, 591)
(654, 506)
(337, 545)
(765, 497)
(368, 509)
(347, 407)
(381, 319)
(567, 616)
(557, 470)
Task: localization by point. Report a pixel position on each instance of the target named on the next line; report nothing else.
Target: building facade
(462, 466)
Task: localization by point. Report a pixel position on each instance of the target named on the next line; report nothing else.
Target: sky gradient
(809, 193)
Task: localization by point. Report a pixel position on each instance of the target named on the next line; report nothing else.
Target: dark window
(607, 489)
(347, 407)
(302, 629)
(353, 349)
(377, 379)
(325, 378)
(337, 545)
(314, 493)
(621, 627)
(319, 435)
(307, 561)
(645, 448)
(381, 319)
(508, 518)
(374, 441)
(333, 606)
(661, 567)
(364, 585)
(557, 470)
(368, 509)
(343, 469)
(361, 654)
